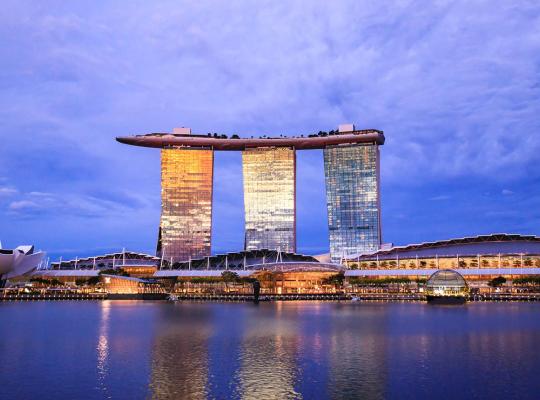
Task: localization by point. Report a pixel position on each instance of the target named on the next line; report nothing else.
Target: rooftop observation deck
(235, 143)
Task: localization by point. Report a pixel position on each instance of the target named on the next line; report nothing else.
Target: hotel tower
(351, 168)
(270, 198)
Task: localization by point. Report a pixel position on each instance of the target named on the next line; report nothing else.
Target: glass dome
(446, 283)
(446, 278)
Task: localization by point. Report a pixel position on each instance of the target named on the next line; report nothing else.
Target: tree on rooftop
(114, 271)
(496, 282)
(93, 281)
(336, 279)
(228, 277)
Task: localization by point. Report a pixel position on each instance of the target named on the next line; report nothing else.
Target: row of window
(453, 263)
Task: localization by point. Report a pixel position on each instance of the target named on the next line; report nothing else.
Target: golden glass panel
(186, 203)
(270, 198)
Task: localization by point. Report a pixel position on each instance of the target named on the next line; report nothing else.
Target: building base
(446, 299)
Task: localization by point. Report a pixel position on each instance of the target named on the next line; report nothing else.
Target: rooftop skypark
(182, 137)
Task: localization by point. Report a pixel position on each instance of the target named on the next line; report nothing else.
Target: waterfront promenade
(20, 294)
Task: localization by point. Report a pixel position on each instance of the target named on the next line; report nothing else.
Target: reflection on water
(267, 354)
(103, 345)
(296, 350)
(180, 355)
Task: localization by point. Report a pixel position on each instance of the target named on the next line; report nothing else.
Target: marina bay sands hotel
(351, 168)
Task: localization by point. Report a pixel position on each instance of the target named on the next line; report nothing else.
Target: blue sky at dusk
(455, 86)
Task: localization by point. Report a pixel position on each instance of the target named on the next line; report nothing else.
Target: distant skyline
(455, 86)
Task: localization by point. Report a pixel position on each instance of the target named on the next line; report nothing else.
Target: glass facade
(352, 197)
(500, 262)
(186, 203)
(270, 198)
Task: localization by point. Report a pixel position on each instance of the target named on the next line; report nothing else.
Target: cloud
(23, 205)
(40, 204)
(454, 85)
(439, 198)
(8, 191)
(507, 192)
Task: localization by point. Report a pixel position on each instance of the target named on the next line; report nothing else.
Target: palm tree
(229, 276)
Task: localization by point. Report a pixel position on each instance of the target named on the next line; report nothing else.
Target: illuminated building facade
(476, 258)
(353, 199)
(186, 203)
(270, 198)
(351, 159)
(18, 262)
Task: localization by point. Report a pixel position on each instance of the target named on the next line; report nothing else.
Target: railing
(22, 295)
(262, 297)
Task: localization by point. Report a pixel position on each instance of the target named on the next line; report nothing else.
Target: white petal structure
(19, 261)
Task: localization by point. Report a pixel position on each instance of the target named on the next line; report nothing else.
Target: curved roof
(185, 273)
(296, 267)
(429, 271)
(20, 261)
(63, 273)
(165, 140)
(129, 256)
(470, 245)
(446, 277)
(236, 260)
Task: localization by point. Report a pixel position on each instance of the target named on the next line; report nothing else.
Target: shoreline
(263, 298)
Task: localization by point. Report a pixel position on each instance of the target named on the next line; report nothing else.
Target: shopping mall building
(478, 258)
(286, 272)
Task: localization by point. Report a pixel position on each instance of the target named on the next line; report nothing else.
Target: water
(296, 350)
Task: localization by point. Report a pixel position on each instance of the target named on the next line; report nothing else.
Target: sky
(455, 86)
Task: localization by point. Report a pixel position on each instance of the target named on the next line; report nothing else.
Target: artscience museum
(18, 262)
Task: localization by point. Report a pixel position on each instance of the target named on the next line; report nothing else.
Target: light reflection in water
(268, 365)
(327, 350)
(103, 345)
(180, 355)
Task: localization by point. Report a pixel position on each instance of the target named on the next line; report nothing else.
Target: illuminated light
(186, 203)
(352, 196)
(270, 198)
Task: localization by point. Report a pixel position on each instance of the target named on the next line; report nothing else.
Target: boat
(173, 297)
